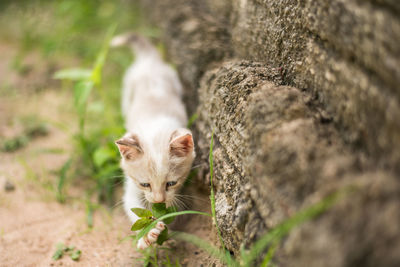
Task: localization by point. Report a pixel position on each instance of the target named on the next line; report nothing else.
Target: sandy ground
(32, 222)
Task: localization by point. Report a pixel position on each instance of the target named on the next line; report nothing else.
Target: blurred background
(39, 38)
(59, 117)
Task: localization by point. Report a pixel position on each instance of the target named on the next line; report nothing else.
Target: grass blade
(101, 57)
(284, 228)
(271, 251)
(62, 177)
(206, 246)
(89, 213)
(192, 120)
(81, 94)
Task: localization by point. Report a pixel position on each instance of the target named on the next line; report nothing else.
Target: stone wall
(345, 53)
(303, 98)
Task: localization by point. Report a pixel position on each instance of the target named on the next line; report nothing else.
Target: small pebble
(9, 186)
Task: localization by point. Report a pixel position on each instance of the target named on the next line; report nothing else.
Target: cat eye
(145, 184)
(172, 183)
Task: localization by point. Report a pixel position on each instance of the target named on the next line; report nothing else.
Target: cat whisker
(117, 204)
(189, 197)
(173, 203)
(118, 176)
(185, 196)
(197, 166)
(117, 184)
(177, 204)
(180, 203)
(144, 201)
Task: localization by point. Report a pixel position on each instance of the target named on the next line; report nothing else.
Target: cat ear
(129, 147)
(181, 143)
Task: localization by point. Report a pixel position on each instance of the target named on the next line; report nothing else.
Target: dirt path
(32, 222)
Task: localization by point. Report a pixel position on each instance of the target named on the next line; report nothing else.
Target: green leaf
(170, 219)
(159, 209)
(96, 107)
(192, 119)
(107, 171)
(75, 255)
(141, 223)
(73, 74)
(101, 57)
(171, 209)
(81, 94)
(103, 154)
(69, 248)
(58, 254)
(142, 213)
(162, 237)
(15, 143)
(162, 218)
(60, 246)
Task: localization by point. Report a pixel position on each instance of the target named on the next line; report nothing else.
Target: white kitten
(157, 152)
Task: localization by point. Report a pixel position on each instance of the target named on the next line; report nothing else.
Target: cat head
(158, 166)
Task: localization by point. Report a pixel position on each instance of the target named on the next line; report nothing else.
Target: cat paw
(151, 236)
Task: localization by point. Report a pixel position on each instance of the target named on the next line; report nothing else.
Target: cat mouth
(167, 203)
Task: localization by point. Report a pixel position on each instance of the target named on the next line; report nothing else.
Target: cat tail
(138, 43)
(122, 39)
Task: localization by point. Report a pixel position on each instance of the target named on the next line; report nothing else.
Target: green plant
(98, 159)
(65, 27)
(14, 143)
(150, 257)
(271, 239)
(192, 120)
(69, 31)
(148, 219)
(62, 175)
(32, 128)
(62, 249)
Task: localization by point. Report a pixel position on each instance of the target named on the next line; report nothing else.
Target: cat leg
(131, 199)
(151, 236)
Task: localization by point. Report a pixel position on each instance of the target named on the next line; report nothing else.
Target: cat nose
(159, 198)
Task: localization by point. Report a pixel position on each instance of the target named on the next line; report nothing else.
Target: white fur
(153, 111)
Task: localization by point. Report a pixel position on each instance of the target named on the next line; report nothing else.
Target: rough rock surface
(206, 42)
(344, 52)
(277, 153)
(303, 99)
